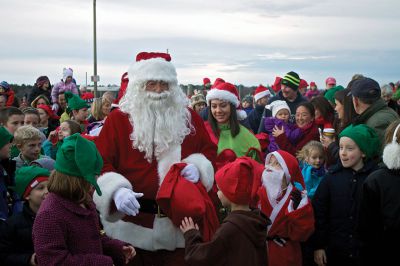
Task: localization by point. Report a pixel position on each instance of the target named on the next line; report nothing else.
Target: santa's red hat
(227, 92)
(303, 84)
(261, 92)
(289, 165)
(152, 66)
(235, 180)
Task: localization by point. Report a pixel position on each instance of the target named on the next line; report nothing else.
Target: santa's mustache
(157, 96)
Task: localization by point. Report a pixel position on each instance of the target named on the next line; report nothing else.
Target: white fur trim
(109, 183)
(151, 69)
(166, 160)
(164, 234)
(262, 94)
(222, 95)
(391, 155)
(205, 168)
(241, 115)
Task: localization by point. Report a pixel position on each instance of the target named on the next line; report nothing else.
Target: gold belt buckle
(159, 214)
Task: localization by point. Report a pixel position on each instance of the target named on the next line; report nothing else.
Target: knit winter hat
(227, 92)
(67, 72)
(44, 162)
(4, 86)
(276, 106)
(291, 80)
(365, 138)
(74, 102)
(42, 80)
(235, 180)
(289, 165)
(28, 177)
(261, 92)
(330, 94)
(5, 137)
(197, 98)
(79, 157)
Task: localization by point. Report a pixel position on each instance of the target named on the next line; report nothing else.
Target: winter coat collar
(369, 165)
(72, 206)
(375, 107)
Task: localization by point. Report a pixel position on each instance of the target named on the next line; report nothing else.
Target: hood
(253, 224)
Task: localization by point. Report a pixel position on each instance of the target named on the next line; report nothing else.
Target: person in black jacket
(261, 97)
(16, 245)
(41, 87)
(379, 218)
(337, 198)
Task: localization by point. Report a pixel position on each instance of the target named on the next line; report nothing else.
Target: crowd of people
(289, 175)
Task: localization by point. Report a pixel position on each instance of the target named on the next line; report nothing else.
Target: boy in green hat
(71, 215)
(337, 197)
(16, 246)
(77, 109)
(7, 170)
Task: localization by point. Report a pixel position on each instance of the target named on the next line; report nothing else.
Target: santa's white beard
(272, 181)
(159, 120)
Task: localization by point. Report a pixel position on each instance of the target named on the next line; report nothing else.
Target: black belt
(150, 206)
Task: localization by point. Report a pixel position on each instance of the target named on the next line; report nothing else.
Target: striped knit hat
(291, 80)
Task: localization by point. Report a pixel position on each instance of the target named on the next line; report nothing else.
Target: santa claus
(288, 208)
(152, 130)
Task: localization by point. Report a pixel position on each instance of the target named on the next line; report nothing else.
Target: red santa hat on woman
(261, 92)
(227, 92)
(289, 165)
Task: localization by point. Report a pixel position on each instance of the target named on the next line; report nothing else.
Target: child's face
(316, 158)
(81, 114)
(43, 115)
(14, 122)
(224, 201)
(64, 131)
(5, 151)
(273, 162)
(350, 154)
(37, 195)
(31, 120)
(283, 115)
(41, 101)
(31, 149)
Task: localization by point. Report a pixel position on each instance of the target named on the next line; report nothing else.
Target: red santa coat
(127, 167)
(291, 225)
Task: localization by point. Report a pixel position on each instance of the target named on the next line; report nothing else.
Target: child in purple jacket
(66, 230)
(280, 118)
(66, 84)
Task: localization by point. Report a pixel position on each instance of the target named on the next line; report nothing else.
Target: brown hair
(7, 112)
(233, 121)
(390, 131)
(74, 126)
(69, 187)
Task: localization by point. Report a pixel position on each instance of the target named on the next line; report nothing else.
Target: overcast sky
(245, 42)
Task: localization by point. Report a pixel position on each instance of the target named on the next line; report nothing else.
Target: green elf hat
(79, 157)
(75, 102)
(330, 94)
(28, 177)
(5, 137)
(365, 138)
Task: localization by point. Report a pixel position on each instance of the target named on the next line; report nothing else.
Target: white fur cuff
(205, 168)
(109, 183)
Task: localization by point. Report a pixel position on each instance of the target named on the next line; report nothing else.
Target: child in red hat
(241, 239)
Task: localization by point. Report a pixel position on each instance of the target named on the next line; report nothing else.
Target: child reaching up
(241, 239)
(66, 230)
(280, 118)
(312, 158)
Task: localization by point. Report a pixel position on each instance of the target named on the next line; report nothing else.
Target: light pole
(94, 78)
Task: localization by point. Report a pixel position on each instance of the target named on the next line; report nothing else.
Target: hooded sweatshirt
(241, 240)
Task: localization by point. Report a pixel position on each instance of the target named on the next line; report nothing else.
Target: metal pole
(94, 49)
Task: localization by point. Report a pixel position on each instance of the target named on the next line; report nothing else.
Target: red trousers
(159, 258)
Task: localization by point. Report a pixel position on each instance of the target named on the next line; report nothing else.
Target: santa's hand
(191, 173)
(126, 202)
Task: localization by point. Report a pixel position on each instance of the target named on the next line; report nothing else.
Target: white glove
(54, 107)
(191, 173)
(126, 202)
